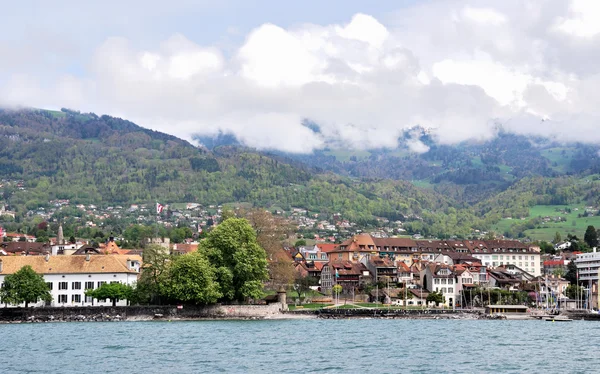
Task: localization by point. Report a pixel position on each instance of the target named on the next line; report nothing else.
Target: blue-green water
(302, 346)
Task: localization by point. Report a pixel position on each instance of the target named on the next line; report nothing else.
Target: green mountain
(103, 160)
(449, 190)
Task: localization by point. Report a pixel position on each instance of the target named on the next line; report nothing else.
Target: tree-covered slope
(105, 160)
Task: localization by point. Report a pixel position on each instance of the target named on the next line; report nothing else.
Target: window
(533, 264)
(113, 282)
(49, 284)
(75, 298)
(63, 286)
(100, 283)
(89, 285)
(444, 281)
(532, 258)
(514, 257)
(340, 256)
(76, 285)
(450, 290)
(450, 281)
(89, 299)
(520, 257)
(436, 281)
(62, 299)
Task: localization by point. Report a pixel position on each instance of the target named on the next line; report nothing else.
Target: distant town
(332, 260)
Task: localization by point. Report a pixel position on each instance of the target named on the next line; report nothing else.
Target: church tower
(60, 239)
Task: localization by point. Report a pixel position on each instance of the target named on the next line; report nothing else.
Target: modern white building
(588, 265)
(70, 276)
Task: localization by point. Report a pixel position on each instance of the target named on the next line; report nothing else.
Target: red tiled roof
(327, 247)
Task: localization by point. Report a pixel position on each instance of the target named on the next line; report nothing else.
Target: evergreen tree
(571, 275)
(591, 236)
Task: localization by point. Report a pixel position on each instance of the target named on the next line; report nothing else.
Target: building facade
(68, 277)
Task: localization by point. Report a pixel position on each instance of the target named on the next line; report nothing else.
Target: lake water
(302, 346)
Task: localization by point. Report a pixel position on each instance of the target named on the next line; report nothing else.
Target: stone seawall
(395, 313)
(139, 313)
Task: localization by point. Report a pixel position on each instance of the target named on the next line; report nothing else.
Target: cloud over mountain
(459, 67)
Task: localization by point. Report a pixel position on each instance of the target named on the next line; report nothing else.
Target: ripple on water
(297, 346)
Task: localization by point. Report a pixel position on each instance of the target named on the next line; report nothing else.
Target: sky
(363, 71)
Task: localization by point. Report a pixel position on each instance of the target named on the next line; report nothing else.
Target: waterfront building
(509, 252)
(588, 266)
(440, 278)
(70, 276)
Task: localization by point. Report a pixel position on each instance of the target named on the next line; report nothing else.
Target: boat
(557, 319)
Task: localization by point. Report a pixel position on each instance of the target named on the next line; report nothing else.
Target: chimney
(47, 257)
(87, 257)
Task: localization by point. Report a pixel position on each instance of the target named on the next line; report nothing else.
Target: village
(364, 270)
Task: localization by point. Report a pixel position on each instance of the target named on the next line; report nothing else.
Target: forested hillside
(104, 160)
(449, 190)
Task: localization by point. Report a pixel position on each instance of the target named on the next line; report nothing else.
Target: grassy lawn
(369, 305)
(573, 225)
(308, 306)
(422, 184)
(343, 155)
(560, 158)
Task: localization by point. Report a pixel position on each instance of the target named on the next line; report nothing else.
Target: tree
(300, 243)
(574, 291)
(151, 286)
(559, 272)
(25, 286)
(72, 239)
(241, 264)
(271, 233)
(436, 297)
(337, 289)
(192, 279)
(571, 275)
(591, 236)
(557, 238)
(303, 284)
(112, 291)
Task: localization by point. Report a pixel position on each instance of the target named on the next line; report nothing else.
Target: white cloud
(455, 66)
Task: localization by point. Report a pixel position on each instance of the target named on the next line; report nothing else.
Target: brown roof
(381, 262)
(69, 264)
(395, 242)
(347, 267)
(20, 247)
(356, 241)
(327, 247)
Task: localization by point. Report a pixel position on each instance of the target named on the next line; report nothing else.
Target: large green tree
(24, 286)
(591, 236)
(192, 280)
(240, 262)
(113, 291)
(436, 297)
